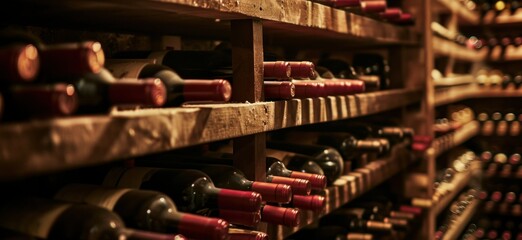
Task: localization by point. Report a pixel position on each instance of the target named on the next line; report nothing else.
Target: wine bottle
(144, 209)
(328, 158)
(374, 64)
(224, 176)
(354, 224)
(71, 59)
(46, 219)
(299, 163)
(329, 68)
(373, 214)
(243, 234)
(19, 63)
(100, 92)
(330, 233)
(191, 190)
(39, 100)
(178, 90)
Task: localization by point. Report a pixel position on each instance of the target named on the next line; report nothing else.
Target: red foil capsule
(299, 186)
(275, 90)
(239, 217)
(346, 3)
(391, 13)
(199, 227)
(308, 89)
(314, 203)
(411, 209)
(149, 92)
(72, 60)
(302, 69)
(44, 100)
(289, 217)
(373, 6)
(317, 181)
(207, 90)
(404, 19)
(19, 63)
(277, 70)
(239, 200)
(271, 192)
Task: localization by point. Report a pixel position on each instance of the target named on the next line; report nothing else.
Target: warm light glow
(500, 5)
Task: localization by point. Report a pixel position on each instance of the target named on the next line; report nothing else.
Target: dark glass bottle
(218, 65)
(328, 158)
(46, 219)
(354, 223)
(191, 190)
(225, 176)
(144, 209)
(39, 101)
(99, 92)
(178, 89)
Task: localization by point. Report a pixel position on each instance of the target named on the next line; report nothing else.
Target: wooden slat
(451, 49)
(445, 96)
(247, 63)
(289, 20)
(43, 146)
(454, 80)
(455, 229)
(451, 140)
(351, 186)
(457, 8)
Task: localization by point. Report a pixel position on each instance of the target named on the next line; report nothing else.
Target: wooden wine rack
(46, 146)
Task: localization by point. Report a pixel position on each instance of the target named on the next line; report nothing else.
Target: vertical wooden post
(247, 63)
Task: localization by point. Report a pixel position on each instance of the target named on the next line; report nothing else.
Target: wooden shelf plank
(461, 222)
(351, 186)
(287, 20)
(451, 49)
(465, 15)
(460, 181)
(449, 95)
(505, 18)
(454, 80)
(44, 146)
(451, 140)
(437, 204)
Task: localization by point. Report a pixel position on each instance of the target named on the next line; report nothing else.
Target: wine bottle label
(32, 217)
(128, 68)
(130, 178)
(93, 195)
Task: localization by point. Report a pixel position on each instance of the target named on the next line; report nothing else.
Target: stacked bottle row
(377, 9)
(499, 124)
(485, 228)
(444, 182)
(62, 79)
(201, 195)
(374, 216)
(457, 118)
(497, 79)
(499, 215)
(455, 212)
(493, 8)
(501, 165)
